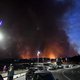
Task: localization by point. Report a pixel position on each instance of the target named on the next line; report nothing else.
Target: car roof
(42, 71)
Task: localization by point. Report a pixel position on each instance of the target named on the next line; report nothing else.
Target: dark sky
(35, 25)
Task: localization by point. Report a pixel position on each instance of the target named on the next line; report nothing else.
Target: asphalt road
(63, 74)
(73, 74)
(20, 78)
(58, 74)
(67, 74)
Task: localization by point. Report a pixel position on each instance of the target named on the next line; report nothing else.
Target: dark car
(43, 75)
(29, 74)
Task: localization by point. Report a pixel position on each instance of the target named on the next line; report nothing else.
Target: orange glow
(51, 51)
(25, 55)
(52, 56)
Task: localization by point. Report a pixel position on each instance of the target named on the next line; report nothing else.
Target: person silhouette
(11, 72)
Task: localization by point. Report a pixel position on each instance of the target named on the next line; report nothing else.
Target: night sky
(48, 26)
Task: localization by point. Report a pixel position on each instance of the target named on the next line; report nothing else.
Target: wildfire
(51, 51)
(52, 56)
(25, 55)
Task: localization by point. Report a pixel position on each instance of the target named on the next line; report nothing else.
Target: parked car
(29, 74)
(43, 75)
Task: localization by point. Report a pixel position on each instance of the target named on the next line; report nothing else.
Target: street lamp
(2, 41)
(38, 53)
(1, 36)
(0, 23)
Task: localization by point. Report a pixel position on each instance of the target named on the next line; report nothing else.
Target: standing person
(11, 72)
(4, 69)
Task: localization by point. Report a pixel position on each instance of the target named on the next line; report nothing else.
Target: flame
(25, 55)
(52, 56)
(51, 51)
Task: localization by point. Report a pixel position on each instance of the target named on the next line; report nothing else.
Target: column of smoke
(50, 37)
